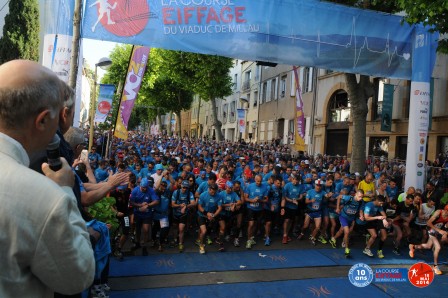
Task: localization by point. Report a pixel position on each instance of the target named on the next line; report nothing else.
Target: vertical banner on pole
(105, 97)
(242, 120)
(300, 117)
(388, 103)
(132, 84)
(422, 65)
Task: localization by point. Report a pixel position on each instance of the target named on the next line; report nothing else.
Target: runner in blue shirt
(161, 215)
(292, 194)
(314, 201)
(348, 208)
(255, 195)
(143, 199)
(272, 207)
(182, 202)
(376, 219)
(231, 205)
(209, 206)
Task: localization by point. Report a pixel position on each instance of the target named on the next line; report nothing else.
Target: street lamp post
(104, 63)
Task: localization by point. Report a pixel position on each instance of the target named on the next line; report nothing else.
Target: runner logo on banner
(105, 97)
(134, 78)
(242, 120)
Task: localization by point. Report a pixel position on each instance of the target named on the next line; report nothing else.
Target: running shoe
(347, 251)
(105, 287)
(437, 270)
(285, 240)
(367, 251)
(197, 242)
(209, 241)
(380, 254)
(202, 249)
(248, 244)
(300, 237)
(332, 242)
(227, 238)
(396, 251)
(252, 241)
(411, 250)
(181, 247)
(267, 242)
(313, 240)
(118, 254)
(221, 247)
(236, 242)
(322, 239)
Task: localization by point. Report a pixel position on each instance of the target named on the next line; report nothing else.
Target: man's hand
(63, 177)
(118, 179)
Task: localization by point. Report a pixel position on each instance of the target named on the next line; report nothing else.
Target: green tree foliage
(212, 81)
(433, 13)
(21, 31)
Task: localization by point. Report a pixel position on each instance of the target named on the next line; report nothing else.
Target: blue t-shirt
(101, 174)
(292, 192)
(162, 209)
(392, 192)
(179, 198)
(348, 188)
(372, 210)
(139, 197)
(318, 197)
(209, 203)
(274, 198)
(254, 191)
(350, 207)
(203, 187)
(227, 198)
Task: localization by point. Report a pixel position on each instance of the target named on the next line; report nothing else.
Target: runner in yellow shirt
(368, 186)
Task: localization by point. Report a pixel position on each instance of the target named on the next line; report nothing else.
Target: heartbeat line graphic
(353, 42)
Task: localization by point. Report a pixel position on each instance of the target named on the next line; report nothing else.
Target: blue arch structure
(295, 32)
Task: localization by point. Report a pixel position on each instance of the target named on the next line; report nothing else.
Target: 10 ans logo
(360, 275)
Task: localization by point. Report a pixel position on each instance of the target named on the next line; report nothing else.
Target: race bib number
(316, 206)
(350, 211)
(255, 205)
(126, 221)
(228, 208)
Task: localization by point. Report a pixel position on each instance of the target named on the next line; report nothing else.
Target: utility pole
(75, 44)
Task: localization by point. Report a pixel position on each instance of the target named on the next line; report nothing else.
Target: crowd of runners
(238, 193)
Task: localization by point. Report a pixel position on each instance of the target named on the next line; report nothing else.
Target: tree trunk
(198, 131)
(179, 124)
(168, 129)
(216, 123)
(358, 94)
(75, 44)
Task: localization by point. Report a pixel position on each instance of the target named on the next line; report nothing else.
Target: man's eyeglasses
(191, 180)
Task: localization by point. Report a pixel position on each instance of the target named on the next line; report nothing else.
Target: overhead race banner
(293, 32)
(300, 116)
(241, 120)
(105, 97)
(136, 70)
(388, 103)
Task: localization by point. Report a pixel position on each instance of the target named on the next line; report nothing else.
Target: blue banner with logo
(105, 97)
(293, 32)
(388, 102)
